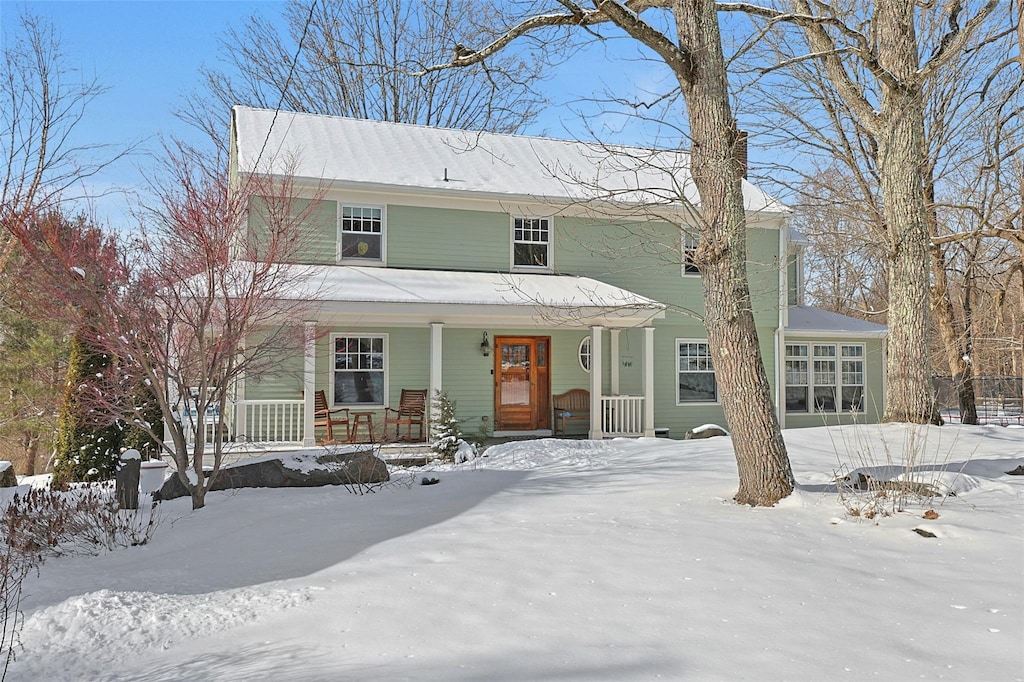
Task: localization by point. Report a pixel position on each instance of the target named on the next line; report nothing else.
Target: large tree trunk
(910, 395)
(764, 470)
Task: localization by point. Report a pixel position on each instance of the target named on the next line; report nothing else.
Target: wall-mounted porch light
(485, 346)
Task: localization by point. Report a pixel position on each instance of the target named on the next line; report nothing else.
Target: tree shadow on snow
(253, 536)
(303, 663)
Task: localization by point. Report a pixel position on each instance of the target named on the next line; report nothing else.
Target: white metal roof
(471, 298)
(803, 319)
(413, 157)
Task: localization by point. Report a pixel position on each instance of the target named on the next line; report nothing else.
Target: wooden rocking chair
(324, 416)
(412, 408)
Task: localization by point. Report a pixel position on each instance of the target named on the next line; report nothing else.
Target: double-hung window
(362, 234)
(824, 378)
(531, 243)
(359, 375)
(797, 378)
(696, 375)
(852, 368)
(827, 376)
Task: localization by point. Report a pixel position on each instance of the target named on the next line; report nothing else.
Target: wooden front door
(522, 389)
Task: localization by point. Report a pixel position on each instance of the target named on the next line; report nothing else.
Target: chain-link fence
(999, 399)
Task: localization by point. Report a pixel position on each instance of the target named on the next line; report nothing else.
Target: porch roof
(412, 296)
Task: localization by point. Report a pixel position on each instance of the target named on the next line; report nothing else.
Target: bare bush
(880, 481)
(45, 523)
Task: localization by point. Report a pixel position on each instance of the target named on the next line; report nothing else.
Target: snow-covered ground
(567, 560)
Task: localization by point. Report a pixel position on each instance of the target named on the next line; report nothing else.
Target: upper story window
(362, 233)
(695, 373)
(793, 284)
(689, 253)
(531, 243)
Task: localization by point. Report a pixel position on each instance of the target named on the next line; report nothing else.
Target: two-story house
(506, 269)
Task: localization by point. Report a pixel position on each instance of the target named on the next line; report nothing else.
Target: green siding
(318, 244)
(281, 376)
(643, 257)
(435, 238)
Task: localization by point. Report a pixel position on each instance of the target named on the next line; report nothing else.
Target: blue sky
(148, 55)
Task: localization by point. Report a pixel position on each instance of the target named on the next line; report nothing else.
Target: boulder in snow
(298, 470)
(7, 477)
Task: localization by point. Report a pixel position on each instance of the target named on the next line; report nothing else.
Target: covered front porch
(376, 331)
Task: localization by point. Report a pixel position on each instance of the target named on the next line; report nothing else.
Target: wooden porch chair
(324, 416)
(412, 409)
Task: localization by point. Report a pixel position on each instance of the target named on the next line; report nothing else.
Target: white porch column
(649, 382)
(616, 361)
(309, 384)
(435, 368)
(240, 427)
(596, 370)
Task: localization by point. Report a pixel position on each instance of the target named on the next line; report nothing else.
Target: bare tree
(685, 37)
(42, 101)
(844, 263)
(871, 59)
(358, 58)
(177, 307)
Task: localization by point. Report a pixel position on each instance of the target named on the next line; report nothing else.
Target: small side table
(361, 418)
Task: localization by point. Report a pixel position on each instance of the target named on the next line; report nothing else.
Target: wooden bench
(573, 405)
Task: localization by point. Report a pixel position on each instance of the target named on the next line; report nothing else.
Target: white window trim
(585, 341)
(695, 240)
(332, 371)
(512, 244)
(809, 371)
(383, 235)
(838, 384)
(681, 403)
(863, 358)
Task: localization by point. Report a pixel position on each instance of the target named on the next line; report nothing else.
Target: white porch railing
(249, 421)
(622, 415)
(272, 421)
(211, 426)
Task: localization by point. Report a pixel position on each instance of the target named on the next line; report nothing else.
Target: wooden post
(126, 479)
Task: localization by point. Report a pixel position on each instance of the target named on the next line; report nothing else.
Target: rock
(706, 431)
(291, 471)
(1019, 471)
(8, 479)
(924, 533)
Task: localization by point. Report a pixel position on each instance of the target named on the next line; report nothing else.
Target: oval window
(584, 354)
